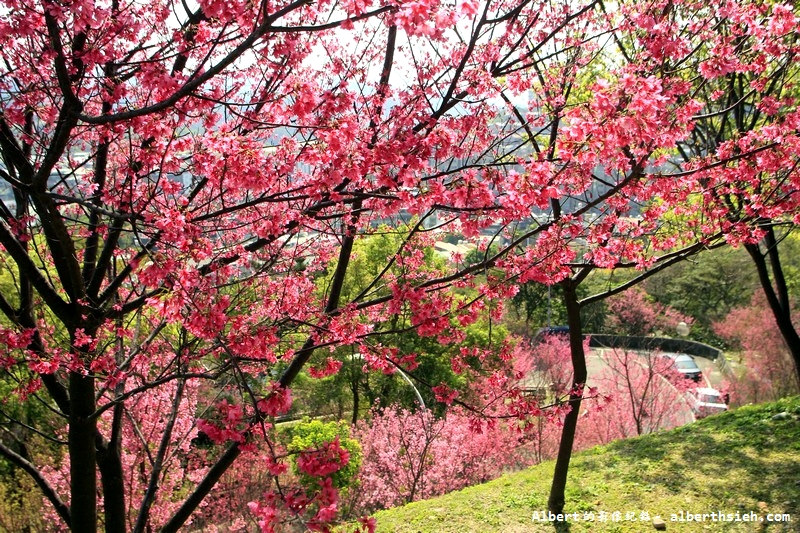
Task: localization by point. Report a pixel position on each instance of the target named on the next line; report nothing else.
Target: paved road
(711, 374)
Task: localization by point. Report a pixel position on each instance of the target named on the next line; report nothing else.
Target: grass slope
(736, 461)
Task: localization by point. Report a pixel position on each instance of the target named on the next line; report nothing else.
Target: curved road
(711, 375)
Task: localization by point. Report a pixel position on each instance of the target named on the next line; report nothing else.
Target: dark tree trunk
(109, 462)
(556, 501)
(110, 465)
(776, 292)
(82, 466)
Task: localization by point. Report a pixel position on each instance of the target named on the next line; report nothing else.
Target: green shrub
(309, 435)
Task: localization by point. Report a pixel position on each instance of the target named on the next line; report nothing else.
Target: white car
(685, 365)
(706, 401)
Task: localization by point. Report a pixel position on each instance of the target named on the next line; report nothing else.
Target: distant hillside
(745, 461)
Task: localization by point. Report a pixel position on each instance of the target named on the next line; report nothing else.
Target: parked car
(706, 401)
(550, 331)
(685, 365)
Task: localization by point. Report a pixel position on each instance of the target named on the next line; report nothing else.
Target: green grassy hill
(744, 461)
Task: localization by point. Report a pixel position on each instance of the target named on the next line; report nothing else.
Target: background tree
(766, 371)
(751, 101)
(543, 306)
(424, 359)
(632, 313)
(706, 288)
(649, 392)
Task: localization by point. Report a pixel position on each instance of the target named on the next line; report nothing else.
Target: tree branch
(48, 491)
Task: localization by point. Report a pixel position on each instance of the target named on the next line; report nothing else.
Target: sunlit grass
(734, 462)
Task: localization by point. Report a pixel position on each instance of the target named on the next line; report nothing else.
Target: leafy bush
(322, 445)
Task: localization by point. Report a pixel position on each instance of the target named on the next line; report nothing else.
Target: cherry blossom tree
(410, 456)
(622, 142)
(767, 370)
(630, 313)
(647, 392)
(177, 177)
(750, 101)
